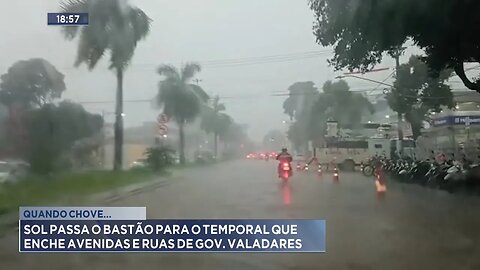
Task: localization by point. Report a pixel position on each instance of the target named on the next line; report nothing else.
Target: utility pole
(216, 110)
(396, 54)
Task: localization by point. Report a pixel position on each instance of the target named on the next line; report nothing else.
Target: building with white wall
(456, 130)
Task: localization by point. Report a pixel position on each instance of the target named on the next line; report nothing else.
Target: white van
(352, 152)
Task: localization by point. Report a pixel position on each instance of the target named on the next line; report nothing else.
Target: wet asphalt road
(409, 228)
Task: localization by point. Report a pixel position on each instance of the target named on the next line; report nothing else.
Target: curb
(9, 221)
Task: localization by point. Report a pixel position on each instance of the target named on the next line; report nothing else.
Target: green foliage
(362, 30)
(215, 121)
(415, 92)
(180, 99)
(65, 188)
(52, 132)
(312, 109)
(297, 134)
(31, 83)
(236, 140)
(340, 104)
(3, 128)
(27, 84)
(114, 26)
(299, 104)
(158, 158)
(302, 96)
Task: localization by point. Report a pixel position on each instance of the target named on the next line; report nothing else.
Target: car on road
(272, 154)
(202, 156)
(12, 171)
(5, 168)
(139, 164)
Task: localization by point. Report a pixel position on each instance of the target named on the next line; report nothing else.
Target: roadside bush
(159, 157)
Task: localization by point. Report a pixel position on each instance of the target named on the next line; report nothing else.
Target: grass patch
(38, 190)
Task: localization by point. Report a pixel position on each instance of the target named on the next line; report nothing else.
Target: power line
(253, 60)
(263, 61)
(112, 101)
(388, 77)
(267, 57)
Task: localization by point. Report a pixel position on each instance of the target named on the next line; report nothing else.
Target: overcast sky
(182, 31)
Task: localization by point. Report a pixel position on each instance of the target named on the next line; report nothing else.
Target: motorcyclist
(284, 156)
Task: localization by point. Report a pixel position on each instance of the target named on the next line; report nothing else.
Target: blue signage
(457, 120)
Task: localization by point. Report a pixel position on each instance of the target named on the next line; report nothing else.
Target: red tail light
(286, 166)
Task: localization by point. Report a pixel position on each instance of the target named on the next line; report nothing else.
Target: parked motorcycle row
(450, 175)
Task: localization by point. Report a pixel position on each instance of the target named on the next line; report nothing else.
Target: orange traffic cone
(361, 166)
(335, 174)
(380, 181)
(319, 170)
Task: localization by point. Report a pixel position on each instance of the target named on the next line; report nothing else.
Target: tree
(27, 84)
(336, 102)
(53, 131)
(340, 104)
(114, 26)
(297, 135)
(302, 96)
(362, 30)
(299, 104)
(3, 129)
(214, 121)
(236, 140)
(415, 92)
(31, 83)
(181, 100)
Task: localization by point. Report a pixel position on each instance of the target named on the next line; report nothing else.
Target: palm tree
(114, 26)
(215, 121)
(180, 99)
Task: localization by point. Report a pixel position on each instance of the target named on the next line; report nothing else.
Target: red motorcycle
(285, 170)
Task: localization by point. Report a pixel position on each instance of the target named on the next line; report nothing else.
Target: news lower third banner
(126, 229)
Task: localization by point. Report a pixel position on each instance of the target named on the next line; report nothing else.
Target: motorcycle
(472, 179)
(285, 170)
(419, 171)
(437, 174)
(368, 169)
(450, 175)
